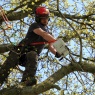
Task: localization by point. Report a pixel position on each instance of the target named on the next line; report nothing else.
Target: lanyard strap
(36, 43)
(39, 43)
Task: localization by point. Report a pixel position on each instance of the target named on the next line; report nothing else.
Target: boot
(31, 82)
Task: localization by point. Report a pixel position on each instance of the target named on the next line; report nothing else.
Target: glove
(57, 55)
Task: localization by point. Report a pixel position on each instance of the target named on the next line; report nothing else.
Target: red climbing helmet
(41, 12)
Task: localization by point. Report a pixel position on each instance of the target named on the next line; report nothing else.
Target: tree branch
(22, 14)
(49, 82)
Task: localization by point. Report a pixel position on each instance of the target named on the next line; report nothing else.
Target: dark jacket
(31, 37)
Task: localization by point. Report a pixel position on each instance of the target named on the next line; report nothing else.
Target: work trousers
(30, 66)
(30, 63)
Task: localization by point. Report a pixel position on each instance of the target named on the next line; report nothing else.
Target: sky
(72, 43)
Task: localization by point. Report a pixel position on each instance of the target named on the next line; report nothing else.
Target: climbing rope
(5, 18)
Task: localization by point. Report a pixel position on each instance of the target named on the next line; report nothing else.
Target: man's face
(44, 21)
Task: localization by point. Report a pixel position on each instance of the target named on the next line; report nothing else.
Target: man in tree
(28, 50)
